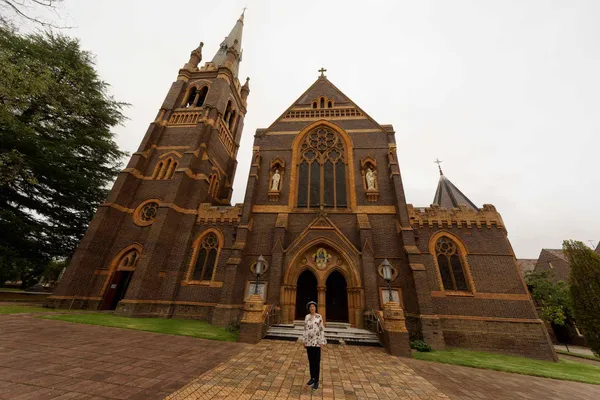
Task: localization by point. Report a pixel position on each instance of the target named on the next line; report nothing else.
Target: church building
(324, 206)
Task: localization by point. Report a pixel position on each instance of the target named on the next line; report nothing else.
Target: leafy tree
(57, 151)
(53, 269)
(585, 290)
(551, 298)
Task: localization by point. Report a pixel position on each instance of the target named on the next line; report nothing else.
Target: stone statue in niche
(370, 176)
(275, 180)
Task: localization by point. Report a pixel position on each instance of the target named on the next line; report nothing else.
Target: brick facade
(374, 225)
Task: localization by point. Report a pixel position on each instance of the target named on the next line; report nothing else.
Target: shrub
(233, 326)
(584, 281)
(420, 345)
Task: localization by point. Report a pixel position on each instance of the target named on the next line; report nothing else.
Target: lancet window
(196, 97)
(165, 169)
(129, 260)
(322, 170)
(213, 186)
(206, 258)
(451, 267)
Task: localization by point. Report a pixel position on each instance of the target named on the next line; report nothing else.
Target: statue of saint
(275, 180)
(370, 179)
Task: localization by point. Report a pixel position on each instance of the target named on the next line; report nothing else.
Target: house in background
(526, 265)
(557, 264)
(555, 261)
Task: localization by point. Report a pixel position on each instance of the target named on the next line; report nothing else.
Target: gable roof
(558, 253)
(322, 87)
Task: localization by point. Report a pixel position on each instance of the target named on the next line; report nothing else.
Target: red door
(116, 290)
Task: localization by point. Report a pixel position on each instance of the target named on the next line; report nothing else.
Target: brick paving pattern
(44, 359)
(463, 383)
(279, 370)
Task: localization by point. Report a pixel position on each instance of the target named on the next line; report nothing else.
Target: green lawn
(564, 369)
(183, 327)
(18, 309)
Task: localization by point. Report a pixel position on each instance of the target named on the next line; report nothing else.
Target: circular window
(145, 213)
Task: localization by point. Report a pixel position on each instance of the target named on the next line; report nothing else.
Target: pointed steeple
(448, 196)
(231, 48)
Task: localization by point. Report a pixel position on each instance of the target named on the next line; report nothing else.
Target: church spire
(230, 50)
(447, 195)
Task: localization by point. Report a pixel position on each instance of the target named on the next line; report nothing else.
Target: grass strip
(173, 326)
(564, 369)
(578, 355)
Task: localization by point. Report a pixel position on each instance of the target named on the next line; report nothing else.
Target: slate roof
(558, 253)
(449, 196)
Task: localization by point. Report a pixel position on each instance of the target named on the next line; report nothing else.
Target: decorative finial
(244, 10)
(322, 71)
(195, 58)
(438, 162)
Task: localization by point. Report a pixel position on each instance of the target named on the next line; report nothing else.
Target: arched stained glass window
(451, 268)
(322, 170)
(206, 258)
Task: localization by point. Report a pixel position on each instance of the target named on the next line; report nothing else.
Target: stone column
(322, 296)
(395, 334)
(252, 322)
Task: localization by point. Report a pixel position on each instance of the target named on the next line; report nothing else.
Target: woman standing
(314, 339)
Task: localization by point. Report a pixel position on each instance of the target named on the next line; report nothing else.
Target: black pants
(314, 361)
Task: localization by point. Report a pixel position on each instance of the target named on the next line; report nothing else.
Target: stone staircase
(335, 332)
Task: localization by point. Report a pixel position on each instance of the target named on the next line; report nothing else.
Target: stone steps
(334, 333)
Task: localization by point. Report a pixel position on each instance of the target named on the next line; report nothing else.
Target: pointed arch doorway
(120, 274)
(306, 290)
(323, 270)
(336, 297)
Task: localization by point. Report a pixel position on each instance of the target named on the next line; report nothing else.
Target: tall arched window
(450, 265)
(206, 258)
(202, 96)
(227, 112)
(213, 185)
(322, 170)
(191, 97)
(232, 121)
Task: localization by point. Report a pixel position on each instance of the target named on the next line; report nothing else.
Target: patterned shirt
(314, 332)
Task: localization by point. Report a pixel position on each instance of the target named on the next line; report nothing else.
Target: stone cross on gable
(322, 71)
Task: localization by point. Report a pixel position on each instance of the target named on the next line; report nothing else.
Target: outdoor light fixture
(259, 268)
(388, 272)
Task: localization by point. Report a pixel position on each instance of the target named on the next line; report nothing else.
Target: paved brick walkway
(463, 383)
(44, 359)
(279, 370)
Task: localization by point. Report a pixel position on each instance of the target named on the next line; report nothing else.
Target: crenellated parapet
(459, 216)
(209, 214)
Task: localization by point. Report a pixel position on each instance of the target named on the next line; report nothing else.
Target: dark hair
(309, 303)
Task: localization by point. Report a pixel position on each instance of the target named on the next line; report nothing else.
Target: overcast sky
(506, 93)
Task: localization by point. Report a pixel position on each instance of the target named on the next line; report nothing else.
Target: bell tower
(210, 101)
(137, 244)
